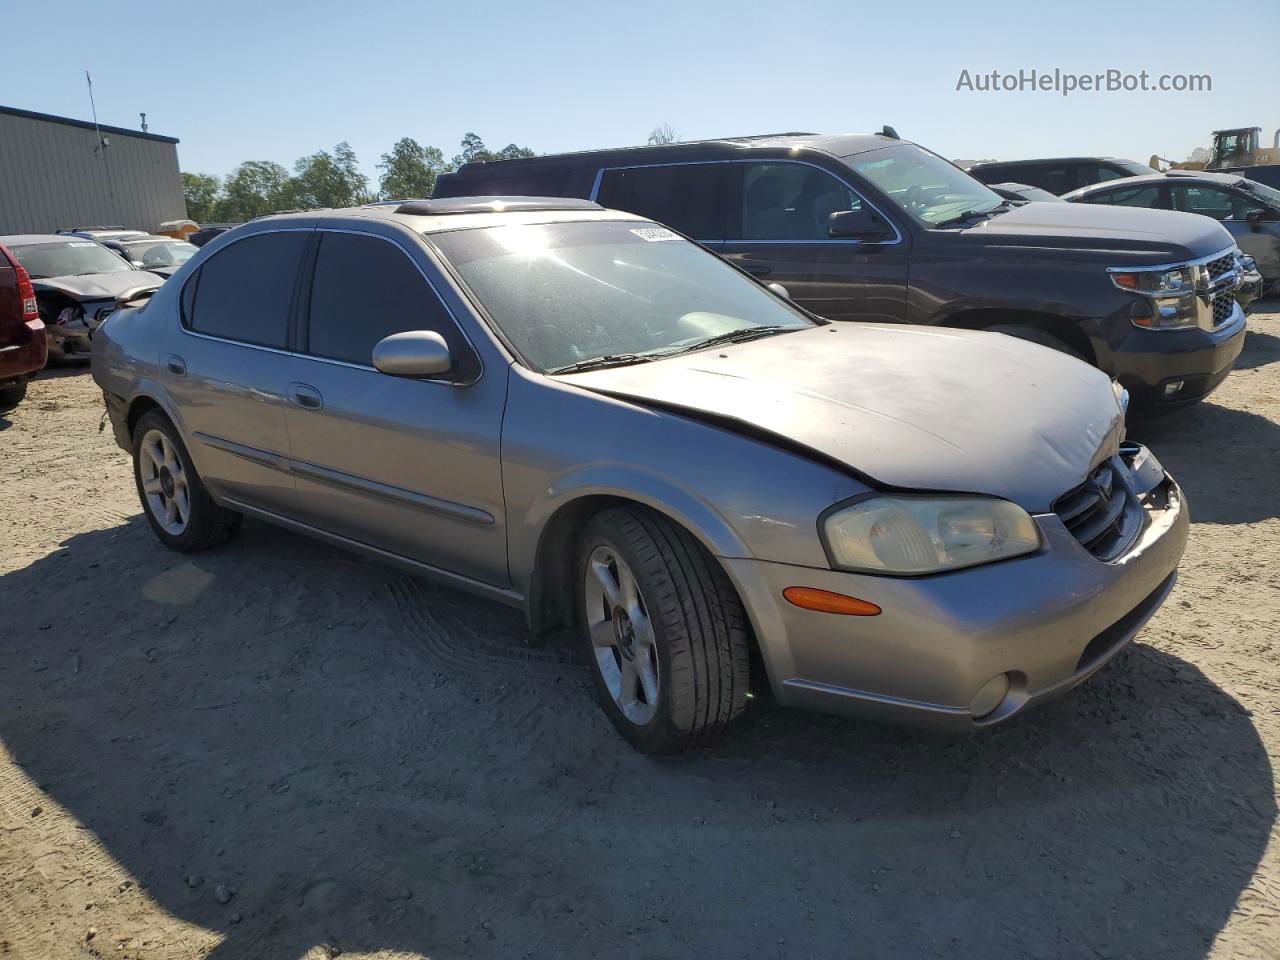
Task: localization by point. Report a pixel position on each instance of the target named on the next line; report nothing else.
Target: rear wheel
(12, 395)
(1036, 335)
(664, 630)
(177, 505)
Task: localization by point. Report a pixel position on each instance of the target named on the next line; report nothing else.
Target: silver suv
(578, 412)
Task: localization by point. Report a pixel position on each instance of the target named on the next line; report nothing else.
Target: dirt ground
(279, 750)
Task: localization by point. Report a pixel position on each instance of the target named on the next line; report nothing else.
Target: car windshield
(160, 253)
(566, 294)
(66, 258)
(922, 184)
(1268, 195)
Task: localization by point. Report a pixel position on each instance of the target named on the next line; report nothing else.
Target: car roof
(1012, 163)
(20, 239)
(842, 145)
(462, 213)
(1202, 176)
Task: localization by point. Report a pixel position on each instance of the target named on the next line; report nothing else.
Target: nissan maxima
(579, 412)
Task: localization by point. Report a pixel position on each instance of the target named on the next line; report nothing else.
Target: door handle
(177, 366)
(306, 396)
(758, 269)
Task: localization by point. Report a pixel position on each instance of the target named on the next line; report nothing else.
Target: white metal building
(54, 174)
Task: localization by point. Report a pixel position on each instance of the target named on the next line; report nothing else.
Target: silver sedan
(580, 413)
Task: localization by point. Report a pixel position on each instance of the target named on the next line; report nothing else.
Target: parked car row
(876, 228)
(676, 448)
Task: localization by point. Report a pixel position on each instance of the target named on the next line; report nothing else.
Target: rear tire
(1036, 335)
(665, 633)
(181, 513)
(10, 397)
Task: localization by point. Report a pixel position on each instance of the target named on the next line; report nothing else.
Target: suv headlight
(907, 534)
(1171, 293)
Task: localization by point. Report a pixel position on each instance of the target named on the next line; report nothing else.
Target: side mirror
(780, 290)
(864, 224)
(414, 353)
(1255, 218)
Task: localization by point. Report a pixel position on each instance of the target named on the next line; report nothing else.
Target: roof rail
(456, 205)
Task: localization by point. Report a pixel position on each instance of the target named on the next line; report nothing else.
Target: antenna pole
(102, 142)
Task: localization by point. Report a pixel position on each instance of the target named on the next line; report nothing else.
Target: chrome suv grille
(1220, 267)
(1100, 513)
(1222, 309)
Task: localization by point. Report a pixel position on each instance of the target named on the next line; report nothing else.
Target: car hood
(914, 408)
(100, 286)
(1147, 236)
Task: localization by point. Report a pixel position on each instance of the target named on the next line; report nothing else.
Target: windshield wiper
(970, 214)
(738, 336)
(598, 363)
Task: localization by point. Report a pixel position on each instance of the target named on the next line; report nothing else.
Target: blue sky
(276, 80)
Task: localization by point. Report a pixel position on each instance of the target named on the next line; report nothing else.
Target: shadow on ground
(1226, 460)
(372, 762)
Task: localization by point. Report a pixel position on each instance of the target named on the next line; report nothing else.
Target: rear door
(689, 197)
(406, 465)
(778, 229)
(227, 366)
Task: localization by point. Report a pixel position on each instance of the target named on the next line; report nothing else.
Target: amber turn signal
(824, 601)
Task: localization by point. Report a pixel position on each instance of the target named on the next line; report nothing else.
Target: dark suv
(876, 228)
(1059, 175)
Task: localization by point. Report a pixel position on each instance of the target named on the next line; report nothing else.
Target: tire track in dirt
(454, 644)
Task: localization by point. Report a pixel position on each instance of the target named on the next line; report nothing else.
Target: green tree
(329, 180)
(200, 190)
(409, 171)
(473, 150)
(254, 189)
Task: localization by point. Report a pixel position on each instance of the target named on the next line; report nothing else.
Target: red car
(24, 348)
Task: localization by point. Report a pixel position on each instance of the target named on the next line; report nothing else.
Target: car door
(406, 465)
(689, 197)
(778, 231)
(1231, 208)
(226, 367)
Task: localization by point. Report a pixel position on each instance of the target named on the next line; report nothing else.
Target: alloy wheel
(622, 637)
(164, 482)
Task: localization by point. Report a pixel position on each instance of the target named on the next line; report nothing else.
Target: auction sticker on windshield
(654, 234)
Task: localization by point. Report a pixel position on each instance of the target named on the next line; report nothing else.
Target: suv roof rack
(455, 205)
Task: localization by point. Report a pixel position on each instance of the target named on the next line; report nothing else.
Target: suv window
(1143, 196)
(791, 201)
(244, 291)
(366, 288)
(686, 196)
(1210, 202)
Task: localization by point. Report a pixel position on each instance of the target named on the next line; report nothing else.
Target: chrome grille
(1220, 267)
(1100, 513)
(1222, 309)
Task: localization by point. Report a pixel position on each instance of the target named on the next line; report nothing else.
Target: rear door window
(366, 288)
(1146, 196)
(686, 196)
(244, 292)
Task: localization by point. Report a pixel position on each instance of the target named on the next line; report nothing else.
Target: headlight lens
(1155, 282)
(911, 535)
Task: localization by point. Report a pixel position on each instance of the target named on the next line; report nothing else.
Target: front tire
(664, 631)
(181, 513)
(1036, 335)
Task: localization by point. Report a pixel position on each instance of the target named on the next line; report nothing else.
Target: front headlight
(1171, 293)
(907, 534)
(1157, 283)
